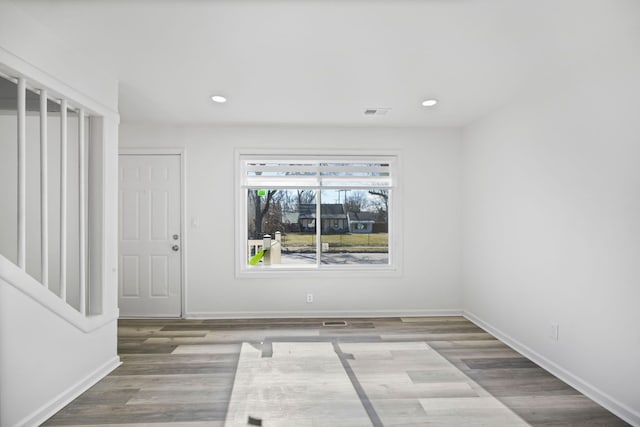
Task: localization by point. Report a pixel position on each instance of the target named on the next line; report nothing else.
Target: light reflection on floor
(382, 383)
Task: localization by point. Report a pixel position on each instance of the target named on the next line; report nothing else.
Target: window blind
(318, 172)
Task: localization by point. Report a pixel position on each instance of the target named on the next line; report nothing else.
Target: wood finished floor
(182, 373)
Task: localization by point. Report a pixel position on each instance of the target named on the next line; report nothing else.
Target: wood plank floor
(376, 371)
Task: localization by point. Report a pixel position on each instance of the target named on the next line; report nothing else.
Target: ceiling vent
(334, 323)
(376, 111)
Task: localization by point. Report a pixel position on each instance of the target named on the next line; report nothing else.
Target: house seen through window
(317, 213)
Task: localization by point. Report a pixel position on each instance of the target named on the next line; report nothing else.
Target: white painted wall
(551, 219)
(430, 278)
(35, 46)
(46, 360)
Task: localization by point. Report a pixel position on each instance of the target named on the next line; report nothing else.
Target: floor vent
(334, 323)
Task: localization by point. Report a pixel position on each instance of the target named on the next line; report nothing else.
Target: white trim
(183, 211)
(98, 273)
(44, 189)
(149, 151)
(29, 286)
(311, 270)
(330, 314)
(63, 199)
(22, 173)
(623, 411)
(82, 211)
(56, 404)
(152, 316)
(335, 152)
(395, 266)
(183, 228)
(38, 78)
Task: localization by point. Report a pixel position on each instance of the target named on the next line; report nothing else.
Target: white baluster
(22, 173)
(82, 205)
(63, 199)
(44, 190)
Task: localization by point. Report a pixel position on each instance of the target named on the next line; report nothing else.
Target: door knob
(175, 248)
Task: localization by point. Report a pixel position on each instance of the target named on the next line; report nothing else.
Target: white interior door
(150, 244)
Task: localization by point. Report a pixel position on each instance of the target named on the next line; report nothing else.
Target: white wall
(44, 361)
(40, 51)
(430, 278)
(47, 355)
(551, 219)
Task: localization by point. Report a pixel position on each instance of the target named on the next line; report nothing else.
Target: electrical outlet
(554, 331)
(309, 298)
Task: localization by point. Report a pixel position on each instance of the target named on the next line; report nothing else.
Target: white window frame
(393, 268)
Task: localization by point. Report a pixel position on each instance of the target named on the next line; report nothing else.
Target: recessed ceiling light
(219, 99)
(429, 102)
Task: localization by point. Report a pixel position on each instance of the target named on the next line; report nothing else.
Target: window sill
(283, 271)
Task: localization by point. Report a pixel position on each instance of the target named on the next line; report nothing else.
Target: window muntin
(331, 212)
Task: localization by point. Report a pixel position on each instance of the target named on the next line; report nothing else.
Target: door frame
(144, 151)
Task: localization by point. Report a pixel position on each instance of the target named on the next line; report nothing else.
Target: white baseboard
(49, 409)
(623, 411)
(316, 314)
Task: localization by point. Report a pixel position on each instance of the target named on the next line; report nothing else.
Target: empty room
(319, 213)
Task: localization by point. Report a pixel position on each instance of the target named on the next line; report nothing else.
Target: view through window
(317, 212)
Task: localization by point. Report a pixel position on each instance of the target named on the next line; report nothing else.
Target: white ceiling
(320, 62)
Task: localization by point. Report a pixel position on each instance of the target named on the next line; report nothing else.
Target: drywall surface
(430, 215)
(551, 218)
(44, 359)
(31, 42)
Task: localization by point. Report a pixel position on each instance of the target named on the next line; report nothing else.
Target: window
(316, 213)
